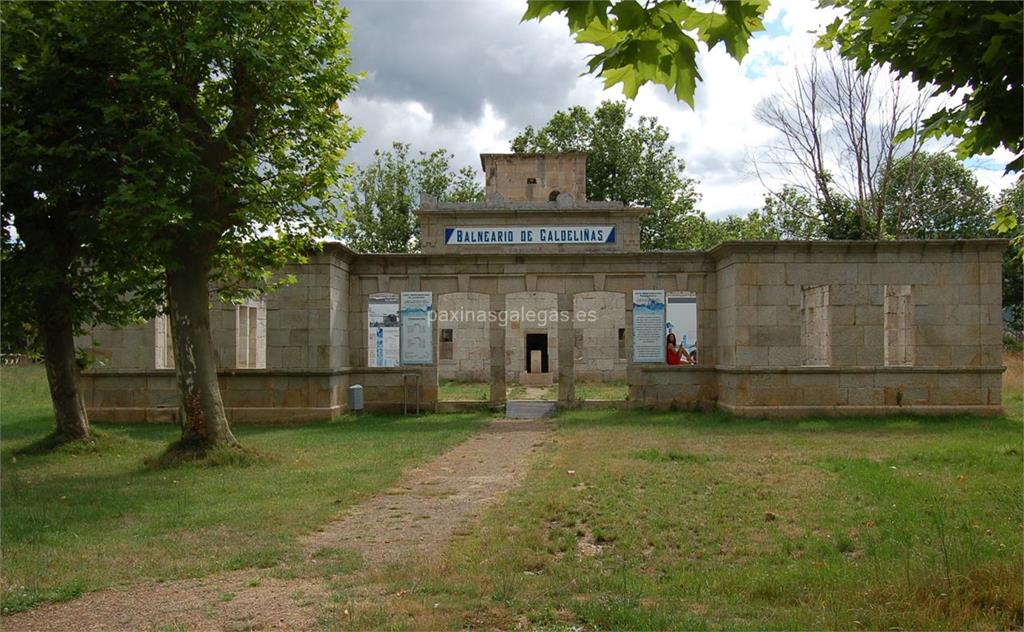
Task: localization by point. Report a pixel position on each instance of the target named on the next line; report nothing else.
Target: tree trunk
(62, 370)
(203, 421)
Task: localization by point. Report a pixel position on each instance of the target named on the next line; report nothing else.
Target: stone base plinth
(536, 379)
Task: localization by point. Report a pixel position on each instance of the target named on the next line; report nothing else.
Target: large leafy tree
(837, 139)
(973, 50)
(380, 214)
(936, 196)
(788, 214)
(628, 161)
(1011, 205)
(655, 42)
(704, 233)
(794, 215)
(62, 155)
(235, 169)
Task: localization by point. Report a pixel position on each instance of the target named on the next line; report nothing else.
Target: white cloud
(471, 81)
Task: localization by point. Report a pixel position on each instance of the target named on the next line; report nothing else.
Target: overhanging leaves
(654, 43)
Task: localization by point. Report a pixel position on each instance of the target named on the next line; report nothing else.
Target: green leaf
(629, 14)
(995, 46)
(1005, 220)
(647, 43)
(599, 34)
(540, 9)
(582, 12)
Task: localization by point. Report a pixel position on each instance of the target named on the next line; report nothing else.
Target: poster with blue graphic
(415, 317)
(649, 326)
(382, 330)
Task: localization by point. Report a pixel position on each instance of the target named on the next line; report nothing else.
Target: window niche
(446, 350)
(164, 343)
(815, 330)
(251, 334)
(899, 326)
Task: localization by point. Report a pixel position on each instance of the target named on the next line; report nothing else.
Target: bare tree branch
(837, 130)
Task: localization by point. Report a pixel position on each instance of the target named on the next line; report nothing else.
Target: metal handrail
(405, 391)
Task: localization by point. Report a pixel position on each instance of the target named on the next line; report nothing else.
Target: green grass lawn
(627, 519)
(633, 520)
(537, 393)
(82, 519)
(459, 391)
(607, 391)
(452, 390)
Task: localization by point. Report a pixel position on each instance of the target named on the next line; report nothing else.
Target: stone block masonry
(944, 354)
(783, 328)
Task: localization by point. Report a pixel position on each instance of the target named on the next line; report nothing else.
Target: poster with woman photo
(681, 328)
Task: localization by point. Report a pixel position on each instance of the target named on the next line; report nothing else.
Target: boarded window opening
(164, 343)
(814, 327)
(446, 350)
(622, 343)
(531, 181)
(899, 326)
(251, 335)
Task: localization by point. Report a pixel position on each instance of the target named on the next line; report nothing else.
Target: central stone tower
(536, 177)
(536, 203)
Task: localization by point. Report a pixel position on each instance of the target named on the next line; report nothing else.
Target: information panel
(649, 326)
(383, 332)
(417, 341)
(519, 235)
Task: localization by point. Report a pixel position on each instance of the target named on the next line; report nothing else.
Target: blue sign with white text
(527, 235)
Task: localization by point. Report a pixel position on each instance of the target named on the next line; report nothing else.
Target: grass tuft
(179, 454)
(96, 443)
(334, 562)
(670, 456)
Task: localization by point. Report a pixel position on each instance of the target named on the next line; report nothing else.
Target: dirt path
(416, 517)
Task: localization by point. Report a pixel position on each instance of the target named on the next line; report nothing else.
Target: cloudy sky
(468, 76)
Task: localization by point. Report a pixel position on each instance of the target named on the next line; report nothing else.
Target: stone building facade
(784, 328)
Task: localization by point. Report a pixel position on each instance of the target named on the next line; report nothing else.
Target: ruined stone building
(759, 328)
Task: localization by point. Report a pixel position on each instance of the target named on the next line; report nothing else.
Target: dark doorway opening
(537, 342)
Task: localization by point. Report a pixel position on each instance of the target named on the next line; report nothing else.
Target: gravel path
(416, 517)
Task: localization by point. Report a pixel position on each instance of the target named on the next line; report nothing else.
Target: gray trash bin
(355, 398)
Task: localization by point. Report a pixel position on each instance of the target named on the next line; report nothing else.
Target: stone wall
(751, 307)
(535, 308)
(470, 346)
(307, 319)
(535, 177)
(250, 395)
(953, 313)
(824, 391)
(597, 353)
(955, 292)
(672, 387)
(560, 276)
(395, 389)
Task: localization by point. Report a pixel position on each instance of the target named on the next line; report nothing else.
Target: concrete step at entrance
(528, 409)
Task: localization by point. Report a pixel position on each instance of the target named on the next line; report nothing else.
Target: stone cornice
(727, 248)
(548, 209)
(720, 251)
